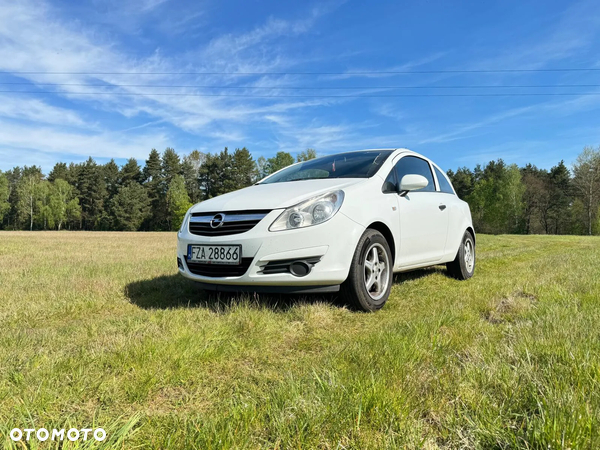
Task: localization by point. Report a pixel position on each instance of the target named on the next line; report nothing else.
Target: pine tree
(60, 171)
(535, 197)
(152, 177)
(92, 195)
(13, 176)
(463, 182)
(208, 176)
(130, 172)
(152, 168)
(227, 176)
(110, 171)
(130, 207)
(561, 194)
(72, 174)
(244, 169)
(216, 175)
(171, 166)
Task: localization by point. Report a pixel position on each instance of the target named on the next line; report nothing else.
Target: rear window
(445, 185)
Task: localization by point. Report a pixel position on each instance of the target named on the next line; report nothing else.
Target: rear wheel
(463, 266)
(370, 279)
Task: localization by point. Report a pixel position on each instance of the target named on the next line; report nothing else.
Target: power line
(522, 94)
(387, 72)
(490, 86)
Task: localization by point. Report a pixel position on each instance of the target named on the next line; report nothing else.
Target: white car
(344, 222)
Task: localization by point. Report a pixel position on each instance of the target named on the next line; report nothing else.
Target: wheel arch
(387, 234)
(472, 231)
(453, 246)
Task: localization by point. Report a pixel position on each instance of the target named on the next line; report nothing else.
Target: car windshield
(343, 165)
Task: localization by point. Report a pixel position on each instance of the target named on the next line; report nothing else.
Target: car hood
(274, 195)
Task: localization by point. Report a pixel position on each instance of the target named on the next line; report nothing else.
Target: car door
(456, 215)
(423, 216)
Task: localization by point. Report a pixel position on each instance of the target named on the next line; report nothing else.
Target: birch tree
(587, 182)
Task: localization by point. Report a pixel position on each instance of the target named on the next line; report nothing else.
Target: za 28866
(224, 254)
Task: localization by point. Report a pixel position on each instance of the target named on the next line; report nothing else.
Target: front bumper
(333, 241)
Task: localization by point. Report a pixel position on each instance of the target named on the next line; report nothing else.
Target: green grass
(97, 329)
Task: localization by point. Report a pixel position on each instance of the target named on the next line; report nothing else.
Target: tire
(463, 266)
(372, 248)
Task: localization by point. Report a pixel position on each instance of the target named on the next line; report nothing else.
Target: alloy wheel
(377, 267)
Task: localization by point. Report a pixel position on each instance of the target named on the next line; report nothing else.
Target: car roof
(385, 149)
(396, 151)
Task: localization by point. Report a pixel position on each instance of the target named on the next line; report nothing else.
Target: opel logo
(217, 221)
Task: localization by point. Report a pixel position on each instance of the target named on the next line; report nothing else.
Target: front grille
(233, 222)
(218, 270)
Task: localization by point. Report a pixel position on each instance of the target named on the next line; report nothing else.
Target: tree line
(155, 197)
(504, 198)
(527, 200)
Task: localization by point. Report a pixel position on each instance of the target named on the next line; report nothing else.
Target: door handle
(442, 207)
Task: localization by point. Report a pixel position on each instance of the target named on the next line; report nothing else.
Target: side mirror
(412, 182)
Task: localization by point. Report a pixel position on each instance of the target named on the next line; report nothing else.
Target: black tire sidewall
(463, 265)
(354, 285)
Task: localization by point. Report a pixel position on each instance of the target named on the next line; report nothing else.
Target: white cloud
(390, 111)
(34, 37)
(18, 138)
(386, 72)
(31, 109)
(295, 136)
(229, 48)
(551, 108)
(48, 44)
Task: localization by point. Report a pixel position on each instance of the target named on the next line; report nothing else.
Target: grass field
(97, 329)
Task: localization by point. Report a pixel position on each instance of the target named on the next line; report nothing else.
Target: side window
(445, 185)
(410, 165)
(390, 184)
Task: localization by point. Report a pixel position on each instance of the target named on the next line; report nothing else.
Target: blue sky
(107, 48)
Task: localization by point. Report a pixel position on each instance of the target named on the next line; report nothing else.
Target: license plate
(215, 254)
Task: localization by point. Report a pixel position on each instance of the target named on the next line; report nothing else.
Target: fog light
(299, 268)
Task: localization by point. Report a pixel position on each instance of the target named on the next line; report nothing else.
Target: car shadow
(174, 291)
(416, 274)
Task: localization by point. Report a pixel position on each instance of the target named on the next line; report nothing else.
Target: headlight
(310, 212)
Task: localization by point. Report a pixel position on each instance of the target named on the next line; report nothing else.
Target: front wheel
(371, 273)
(463, 266)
